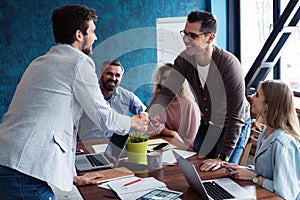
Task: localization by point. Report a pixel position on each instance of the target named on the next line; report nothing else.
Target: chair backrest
(250, 148)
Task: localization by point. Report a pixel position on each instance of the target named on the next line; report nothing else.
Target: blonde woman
(181, 118)
(277, 158)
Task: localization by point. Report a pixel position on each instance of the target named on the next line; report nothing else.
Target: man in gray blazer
(37, 142)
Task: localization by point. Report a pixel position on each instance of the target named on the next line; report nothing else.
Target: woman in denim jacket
(277, 158)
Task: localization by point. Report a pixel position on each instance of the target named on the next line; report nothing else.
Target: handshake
(140, 122)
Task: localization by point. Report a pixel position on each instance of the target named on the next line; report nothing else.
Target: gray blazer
(36, 134)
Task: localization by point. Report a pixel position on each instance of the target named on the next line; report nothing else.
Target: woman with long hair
(277, 157)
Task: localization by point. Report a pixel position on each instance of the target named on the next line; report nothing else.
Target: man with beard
(37, 139)
(121, 100)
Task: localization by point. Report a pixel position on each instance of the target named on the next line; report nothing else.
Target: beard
(87, 52)
(86, 49)
(108, 86)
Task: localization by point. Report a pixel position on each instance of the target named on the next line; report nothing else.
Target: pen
(132, 182)
(110, 197)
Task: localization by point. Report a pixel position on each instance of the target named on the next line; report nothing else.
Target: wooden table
(171, 176)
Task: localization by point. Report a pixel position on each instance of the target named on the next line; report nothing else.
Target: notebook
(114, 174)
(106, 159)
(223, 188)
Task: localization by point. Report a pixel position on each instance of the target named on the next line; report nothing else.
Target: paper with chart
(134, 187)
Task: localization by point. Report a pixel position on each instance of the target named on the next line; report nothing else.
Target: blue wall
(125, 30)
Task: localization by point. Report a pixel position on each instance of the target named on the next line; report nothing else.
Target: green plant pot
(137, 152)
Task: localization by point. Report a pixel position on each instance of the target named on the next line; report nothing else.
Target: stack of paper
(168, 157)
(99, 148)
(134, 187)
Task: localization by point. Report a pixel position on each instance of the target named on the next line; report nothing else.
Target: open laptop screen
(115, 147)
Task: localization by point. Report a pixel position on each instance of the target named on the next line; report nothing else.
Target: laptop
(223, 188)
(106, 159)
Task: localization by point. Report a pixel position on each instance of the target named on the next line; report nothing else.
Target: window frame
(234, 41)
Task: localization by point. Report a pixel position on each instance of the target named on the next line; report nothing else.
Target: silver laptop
(223, 188)
(106, 159)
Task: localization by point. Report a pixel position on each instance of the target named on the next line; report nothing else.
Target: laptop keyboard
(96, 160)
(216, 191)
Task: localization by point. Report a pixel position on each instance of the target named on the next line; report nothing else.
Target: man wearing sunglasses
(216, 78)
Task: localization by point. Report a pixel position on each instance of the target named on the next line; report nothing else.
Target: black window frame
(269, 56)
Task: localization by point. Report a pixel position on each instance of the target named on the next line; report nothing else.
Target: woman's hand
(172, 133)
(239, 172)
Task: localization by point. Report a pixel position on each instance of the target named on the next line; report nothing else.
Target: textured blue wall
(125, 30)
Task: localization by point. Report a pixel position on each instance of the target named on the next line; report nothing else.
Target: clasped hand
(140, 122)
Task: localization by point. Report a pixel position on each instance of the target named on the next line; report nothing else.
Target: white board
(168, 40)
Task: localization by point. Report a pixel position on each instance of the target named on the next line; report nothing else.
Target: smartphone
(160, 146)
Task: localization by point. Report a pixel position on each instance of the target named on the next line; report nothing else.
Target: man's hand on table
(87, 179)
(211, 164)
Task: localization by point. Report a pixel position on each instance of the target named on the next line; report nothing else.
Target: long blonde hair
(281, 108)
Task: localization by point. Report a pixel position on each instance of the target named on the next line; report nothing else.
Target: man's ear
(78, 35)
(211, 38)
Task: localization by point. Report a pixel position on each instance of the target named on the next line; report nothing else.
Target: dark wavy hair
(207, 20)
(68, 19)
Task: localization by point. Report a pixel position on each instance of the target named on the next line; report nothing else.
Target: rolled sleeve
(136, 105)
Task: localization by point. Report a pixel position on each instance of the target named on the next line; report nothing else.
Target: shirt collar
(116, 92)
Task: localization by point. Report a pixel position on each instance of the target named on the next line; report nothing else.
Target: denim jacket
(277, 159)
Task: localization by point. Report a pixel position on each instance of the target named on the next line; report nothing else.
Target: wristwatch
(255, 179)
(223, 157)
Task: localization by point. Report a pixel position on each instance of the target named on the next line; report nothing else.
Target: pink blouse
(182, 115)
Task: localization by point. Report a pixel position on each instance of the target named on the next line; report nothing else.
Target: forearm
(168, 132)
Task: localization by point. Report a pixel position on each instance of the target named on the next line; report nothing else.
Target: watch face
(255, 180)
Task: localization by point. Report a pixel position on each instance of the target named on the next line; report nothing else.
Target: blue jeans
(213, 142)
(15, 185)
(241, 143)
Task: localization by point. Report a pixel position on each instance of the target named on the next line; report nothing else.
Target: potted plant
(136, 147)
